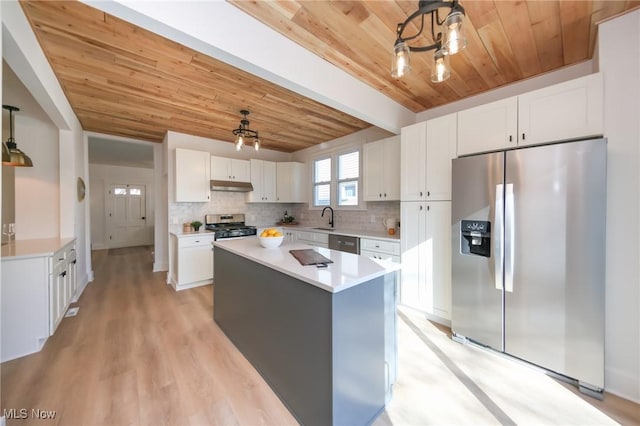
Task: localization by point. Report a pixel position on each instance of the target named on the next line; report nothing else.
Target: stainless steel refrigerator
(528, 242)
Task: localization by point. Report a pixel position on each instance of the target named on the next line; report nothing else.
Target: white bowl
(271, 242)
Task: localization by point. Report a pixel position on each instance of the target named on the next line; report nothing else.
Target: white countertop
(347, 269)
(23, 249)
(349, 232)
(192, 234)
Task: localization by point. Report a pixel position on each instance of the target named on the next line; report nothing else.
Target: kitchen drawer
(198, 241)
(380, 246)
(317, 237)
(382, 256)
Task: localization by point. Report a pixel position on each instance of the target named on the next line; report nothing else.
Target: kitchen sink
(325, 229)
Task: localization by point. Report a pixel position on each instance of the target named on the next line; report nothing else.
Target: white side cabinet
(192, 260)
(290, 182)
(381, 170)
(488, 127)
(380, 249)
(569, 110)
(37, 289)
(263, 180)
(192, 176)
(427, 149)
(230, 169)
(426, 257)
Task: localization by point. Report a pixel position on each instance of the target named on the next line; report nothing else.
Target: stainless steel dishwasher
(344, 243)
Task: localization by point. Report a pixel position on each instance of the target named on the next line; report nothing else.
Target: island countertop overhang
(346, 271)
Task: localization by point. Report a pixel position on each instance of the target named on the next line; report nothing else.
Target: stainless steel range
(228, 226)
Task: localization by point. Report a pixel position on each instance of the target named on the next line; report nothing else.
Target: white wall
(101, 177)
(620, 66)
(36, 208)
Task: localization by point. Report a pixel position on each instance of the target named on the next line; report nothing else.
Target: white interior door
(126, 215)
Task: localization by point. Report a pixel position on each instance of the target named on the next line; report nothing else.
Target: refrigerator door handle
(498, 237)
(509, 243)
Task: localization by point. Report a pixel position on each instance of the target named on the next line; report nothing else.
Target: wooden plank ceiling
(126, 81)
(507, 41)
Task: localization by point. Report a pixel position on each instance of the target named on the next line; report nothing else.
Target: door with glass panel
(126, 216)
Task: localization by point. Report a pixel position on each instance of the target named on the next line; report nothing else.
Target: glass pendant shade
(256, 144)
(454, 38)
(440, 70)
(400, 65)
(239, 142)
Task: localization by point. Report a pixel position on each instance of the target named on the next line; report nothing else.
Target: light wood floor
(140, 353)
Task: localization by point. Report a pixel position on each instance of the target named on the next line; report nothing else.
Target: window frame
(334, 182)
(315, 184)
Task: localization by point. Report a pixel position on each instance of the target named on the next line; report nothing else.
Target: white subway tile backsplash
(269, 214)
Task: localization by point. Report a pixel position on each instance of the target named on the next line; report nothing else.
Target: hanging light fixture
(243, 132)
(451, 42)
(11, 155)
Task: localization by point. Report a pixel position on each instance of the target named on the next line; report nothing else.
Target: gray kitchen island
(323, 338)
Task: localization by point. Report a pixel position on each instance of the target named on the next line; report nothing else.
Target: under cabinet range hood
(231, 186)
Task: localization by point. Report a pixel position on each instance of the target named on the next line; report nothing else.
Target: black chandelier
(243, 132)
(448, 43)
(11, 154)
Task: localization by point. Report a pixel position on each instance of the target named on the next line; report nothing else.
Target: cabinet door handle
(427, 208)
(63, 273)
(428, 193)
(510, 138)
(421, 193)
(385, 195)
(74, 262)
(420, 207)
(523, 136)
(380, 195)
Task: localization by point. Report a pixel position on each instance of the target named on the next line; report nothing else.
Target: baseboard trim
(160, 266)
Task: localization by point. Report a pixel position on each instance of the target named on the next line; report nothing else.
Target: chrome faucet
(331, 220)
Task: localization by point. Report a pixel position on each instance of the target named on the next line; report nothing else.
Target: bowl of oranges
(270, 237)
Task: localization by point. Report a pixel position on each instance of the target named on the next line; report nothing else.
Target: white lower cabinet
(289, 235)
(426, 257)
(192, 260)
(318, 239)
(380, 249)
(36, 292)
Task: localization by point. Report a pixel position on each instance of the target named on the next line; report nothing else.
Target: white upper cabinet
(488, 127)
(569, 110)
(230, 169)
(564, 111)
(413, 160)
(290, 178)
(381, 170)
(263, 180)
(427, 149)
(192, 176)
(441, 149)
